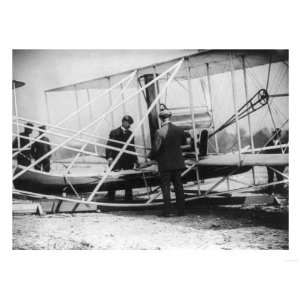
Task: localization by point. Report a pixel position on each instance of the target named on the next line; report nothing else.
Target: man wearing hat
(39, 149)
(168, 154)
(24, 157)
(126, 161)
(274, 141)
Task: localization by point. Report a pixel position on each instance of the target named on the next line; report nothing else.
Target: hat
(162, 106)
(276, 131)
(165, 114)
(29, 126)
(187, 134)
(128, 118)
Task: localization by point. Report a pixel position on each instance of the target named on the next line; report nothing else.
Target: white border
(149, 275)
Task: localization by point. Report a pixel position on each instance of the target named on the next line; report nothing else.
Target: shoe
(130, 200)
(165, 215)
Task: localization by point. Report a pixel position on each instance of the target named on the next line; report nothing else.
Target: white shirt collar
(165, 123)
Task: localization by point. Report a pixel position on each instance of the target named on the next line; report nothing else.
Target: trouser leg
(279, 177)
(165, 187)
(270, 175)
(179, 192)
(270, 179)
(38, 166)
(111, 195)
(23, 161)
(128, 186)
(128, 193)
(46, 165)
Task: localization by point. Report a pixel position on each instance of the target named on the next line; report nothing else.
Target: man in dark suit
(275, 141)
(168, 154)
(126, 161)
(39, 149)
(24, 157)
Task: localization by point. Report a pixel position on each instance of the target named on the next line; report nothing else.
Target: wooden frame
(176, 68)
(74, 113)
(74, 134)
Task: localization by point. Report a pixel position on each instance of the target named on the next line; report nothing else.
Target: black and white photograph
(150, 149)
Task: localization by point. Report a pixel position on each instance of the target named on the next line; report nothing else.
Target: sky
(46, 69)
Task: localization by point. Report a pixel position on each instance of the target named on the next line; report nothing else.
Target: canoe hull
(52, 184)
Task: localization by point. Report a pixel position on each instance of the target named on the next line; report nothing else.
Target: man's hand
(109, 161)
(146, 164)
(186, 147)
(149, 156)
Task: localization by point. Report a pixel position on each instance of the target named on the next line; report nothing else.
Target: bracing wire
(269, 72)
(255, 80)
(278, 111)
(280, 80)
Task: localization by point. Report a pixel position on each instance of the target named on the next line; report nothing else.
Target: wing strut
(256, 102)
(175, 69)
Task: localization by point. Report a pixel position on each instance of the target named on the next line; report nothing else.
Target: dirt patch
(199, 229)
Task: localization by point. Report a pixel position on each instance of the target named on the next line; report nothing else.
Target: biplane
(190, 80)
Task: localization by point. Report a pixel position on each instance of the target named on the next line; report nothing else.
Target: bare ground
(199, 229)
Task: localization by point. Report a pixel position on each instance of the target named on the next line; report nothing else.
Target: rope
(146, 184)
(269, 72)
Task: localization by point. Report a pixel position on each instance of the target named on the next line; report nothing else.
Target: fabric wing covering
(218, 61)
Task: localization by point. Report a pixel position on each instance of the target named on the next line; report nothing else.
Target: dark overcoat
(126, 160)
(24, 157)
(39, 149)
(166, 149)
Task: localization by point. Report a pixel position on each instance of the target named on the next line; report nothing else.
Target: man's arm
(156, 147)
(108, 152)
(15, 144)
(132, 148)
(184, 144)
(186, 147)
(48, 147)
(33, 150)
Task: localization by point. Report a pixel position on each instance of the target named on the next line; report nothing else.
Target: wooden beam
(16, 113)
(55, 144)
(124, 88)
(27, 208)
(91, 124)
(47, 108)
(249, 118)
(74, 113)
(176, 68)
(211, 105)
(191, 101)
(111, 103)
(74, 131)
(140, 116)
(235, 106)
(77, 139)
